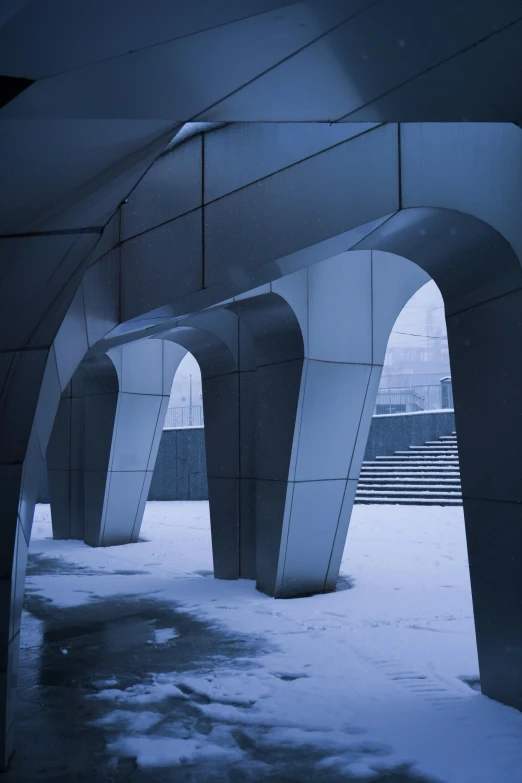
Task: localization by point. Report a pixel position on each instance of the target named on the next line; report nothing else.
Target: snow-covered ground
(366, 679)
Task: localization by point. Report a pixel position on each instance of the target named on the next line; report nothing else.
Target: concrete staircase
(424, 475)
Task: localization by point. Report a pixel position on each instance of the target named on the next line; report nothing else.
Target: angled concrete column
(65, 522)
(346, 307)
(213, 339)
(80, 445)
(242, 350)
(116, 484)
(23, 422)
(486, 364)
(271, 363)
(105, 439)
(32, 381)
(230, 431)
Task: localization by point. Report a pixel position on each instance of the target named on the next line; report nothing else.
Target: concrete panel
(340, 309)
(332, 407)
(314, 518)
(319, 197)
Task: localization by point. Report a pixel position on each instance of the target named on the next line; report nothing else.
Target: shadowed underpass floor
(138, 665)
(70, 654)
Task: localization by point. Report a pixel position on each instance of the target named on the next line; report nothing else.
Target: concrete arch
(272, 357)
(300, 210)
(470, 261)
(217, 357)
(104, 442)
(345, 307)
(247, 350)
(479, 276)
(275, 205)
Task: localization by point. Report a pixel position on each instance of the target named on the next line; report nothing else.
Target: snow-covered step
(424, 475)
(414, 489)
(419, 455)
(411, 475)
(439, 447)
(435, 444)
(387, 470)
(420, 462)
(406, 468)
(401, 456)
(390, 501)
(401, 460)
(437, 497)
(411, 484)
(453, 480)
(434, 449)
(427, 455)
(428, 452)
(415, 466)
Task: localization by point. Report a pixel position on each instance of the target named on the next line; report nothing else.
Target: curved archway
(482, 357)
(480, 279)
(218, 361)
(114, 407)
(246, 350)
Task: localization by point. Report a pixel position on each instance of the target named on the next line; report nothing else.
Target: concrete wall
(398, 431)
(181, 474)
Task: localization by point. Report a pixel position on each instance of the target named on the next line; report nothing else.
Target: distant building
(407, 365)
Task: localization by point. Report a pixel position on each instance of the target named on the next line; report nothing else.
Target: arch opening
(480, 279)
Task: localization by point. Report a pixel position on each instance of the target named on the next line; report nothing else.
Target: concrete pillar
(486, 364)
(32, 382)
(80, 445)
(346, 308)
(116, 489)
(213, 339)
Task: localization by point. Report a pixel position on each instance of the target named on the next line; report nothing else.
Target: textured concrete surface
(180, 472)
(397, 432)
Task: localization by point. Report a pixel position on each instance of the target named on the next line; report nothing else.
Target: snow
(188, 427)
(411, 413)
(361, 680)
(151, 751)
(158, 691)
(130, 720)
(419, 498)
(165, 635)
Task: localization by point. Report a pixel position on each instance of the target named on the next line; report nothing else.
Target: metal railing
(407, 399)
(185, 416)
(399, 399)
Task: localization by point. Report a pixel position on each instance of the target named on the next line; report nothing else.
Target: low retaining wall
(180, 472)
(398, 431)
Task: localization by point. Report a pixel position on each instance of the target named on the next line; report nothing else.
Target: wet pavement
(69, 655)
